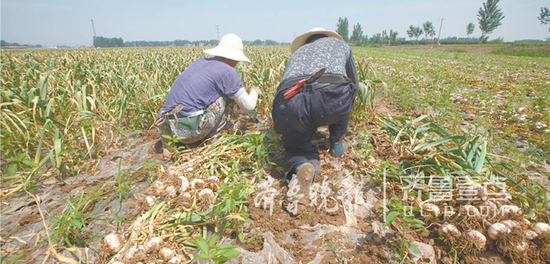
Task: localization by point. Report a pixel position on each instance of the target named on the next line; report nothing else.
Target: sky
(67, 22)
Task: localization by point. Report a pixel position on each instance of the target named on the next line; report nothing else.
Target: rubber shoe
(297, 196)
(337, 149)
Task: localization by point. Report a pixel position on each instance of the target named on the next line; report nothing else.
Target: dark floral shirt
(331, 53)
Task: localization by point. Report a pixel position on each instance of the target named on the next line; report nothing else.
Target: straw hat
(301, 40)
(230, 47)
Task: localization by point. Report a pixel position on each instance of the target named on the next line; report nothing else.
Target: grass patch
(524, 50)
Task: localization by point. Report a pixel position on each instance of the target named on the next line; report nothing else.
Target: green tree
(389, 37)
(489, 17)
(429, 30)
(393, 36)
(376, 39)
(108, 42)
(545, 16)
(385, 36)
(342, 28)
(357, 34)
(414, 32)
(410, 31)
(257, 42)
(470, 28)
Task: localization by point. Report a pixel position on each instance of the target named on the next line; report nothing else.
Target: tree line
(4, 43)
(119, 42)
(489, 19)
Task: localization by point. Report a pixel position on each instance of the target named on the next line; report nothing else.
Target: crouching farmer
(197, 105)
(318, 89)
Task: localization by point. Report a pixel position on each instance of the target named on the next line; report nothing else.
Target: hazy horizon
(64, 22)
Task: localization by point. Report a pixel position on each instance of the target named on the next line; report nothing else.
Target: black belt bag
(321, 82)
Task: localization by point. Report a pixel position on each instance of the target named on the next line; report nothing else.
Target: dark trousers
(297, 120)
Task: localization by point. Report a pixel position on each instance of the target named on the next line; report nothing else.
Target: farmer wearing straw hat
(197, 105)
(318, 89)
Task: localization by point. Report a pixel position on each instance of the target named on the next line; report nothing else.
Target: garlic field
(449, 163)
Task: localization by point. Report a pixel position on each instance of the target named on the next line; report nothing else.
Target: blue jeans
(298, 118)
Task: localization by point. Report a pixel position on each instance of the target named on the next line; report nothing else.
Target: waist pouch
(185, 122)
(326, 78)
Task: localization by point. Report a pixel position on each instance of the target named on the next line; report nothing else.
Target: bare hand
(159, 121)
(257, 90)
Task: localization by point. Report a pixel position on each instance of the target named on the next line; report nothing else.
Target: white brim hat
(230, 47)
(301, 40)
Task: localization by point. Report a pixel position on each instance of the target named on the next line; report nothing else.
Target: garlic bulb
(471, 211)
(213, 183)
(541, 228)
(135, 253)
(173, 170)
(522, 246)
(171, 191)
(206, 197)
(447, 230)
(153, 244)
(477, 238)
(496, 230)
(431, 209)
(150, 200)
(530, 234)
(184, 184)
(197, 184)
(166, 254)
(175, 260)
(158, 187)
(114, 243)
(186, 197)
(510, 211)
(213, 179)
(512, 224)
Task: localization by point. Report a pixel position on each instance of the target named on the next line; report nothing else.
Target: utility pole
(93, 27)
(218, 31)
(439, 36)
